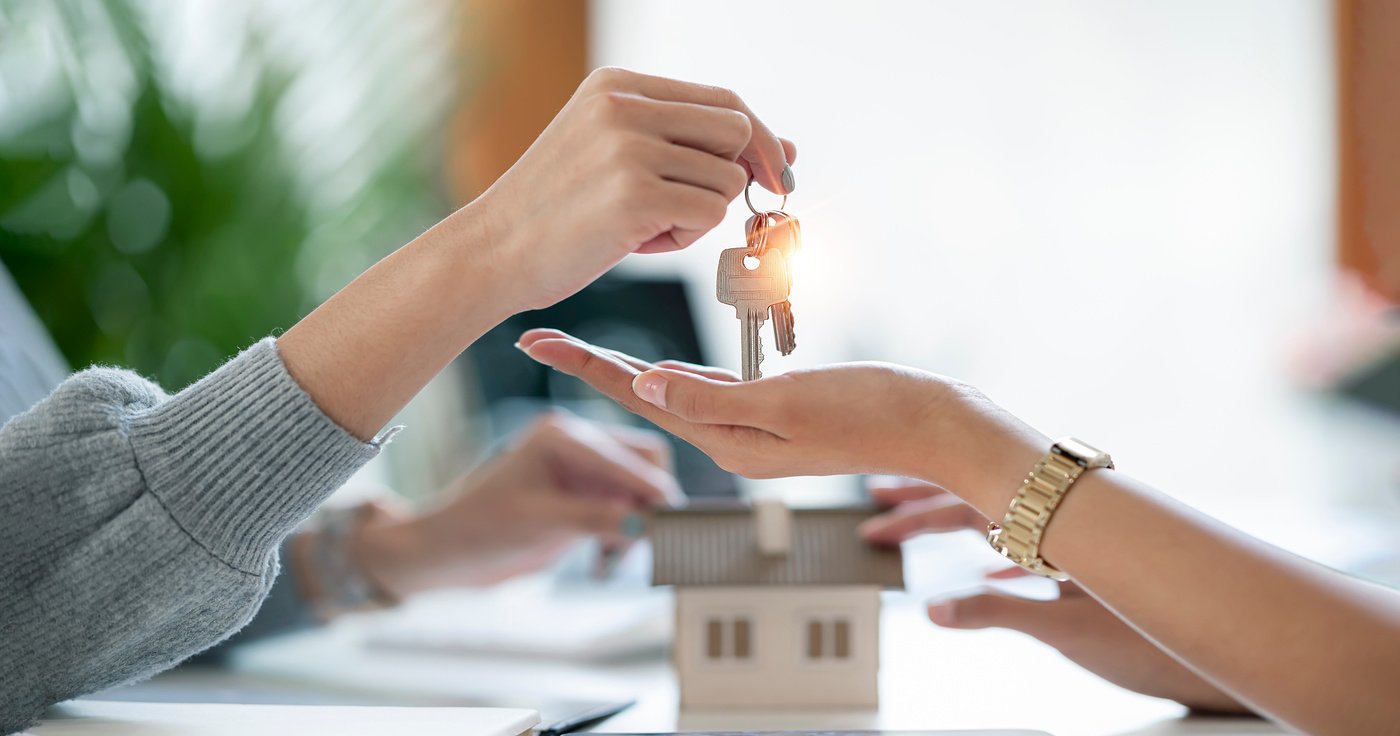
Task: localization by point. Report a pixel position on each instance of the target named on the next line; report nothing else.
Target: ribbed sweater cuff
(243, 456)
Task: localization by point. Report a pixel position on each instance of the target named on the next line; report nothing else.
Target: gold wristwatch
(1017, 537)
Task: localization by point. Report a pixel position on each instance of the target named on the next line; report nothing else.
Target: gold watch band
(1017, 537)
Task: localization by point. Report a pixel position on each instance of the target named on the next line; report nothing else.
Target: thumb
(696, 398)
(998, 610)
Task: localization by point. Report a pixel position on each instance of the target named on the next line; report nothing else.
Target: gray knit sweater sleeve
(138, 528)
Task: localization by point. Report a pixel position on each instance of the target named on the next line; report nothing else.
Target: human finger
(942, 513)
(532, 336)
(592, 461)
(746, 450)
(711, 372)
(1068, 589)
(687, 211)
(635, 362)
(888, 490)
(601, 369)
(664, 243)
(702, 400)
(1015, 572)
(720, 132)
(998, 610)
(699, 169)
(789, 150)
(529, 337)
(681, 214)
(764, 153)
(608, 518)
(649, 444)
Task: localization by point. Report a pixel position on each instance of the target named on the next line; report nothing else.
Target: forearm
(1301, 643)
(1293, 640)
(370, 348)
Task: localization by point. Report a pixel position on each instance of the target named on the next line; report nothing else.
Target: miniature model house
(774, 606)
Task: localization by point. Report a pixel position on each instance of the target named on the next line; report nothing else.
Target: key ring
(756, 234)
(749, 202)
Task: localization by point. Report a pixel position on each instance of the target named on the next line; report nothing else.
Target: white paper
(94, 717)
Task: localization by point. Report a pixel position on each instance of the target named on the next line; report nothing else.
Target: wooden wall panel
(1368, 109)
(520, 61)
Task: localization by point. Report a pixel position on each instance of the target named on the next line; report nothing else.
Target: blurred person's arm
(561, 480)
(1288, 638)
(138, 528)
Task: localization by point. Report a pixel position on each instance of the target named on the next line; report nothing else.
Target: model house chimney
(772, 527)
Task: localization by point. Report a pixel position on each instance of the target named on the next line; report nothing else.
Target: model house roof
(731, 544)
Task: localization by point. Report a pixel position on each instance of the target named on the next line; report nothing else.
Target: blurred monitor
(649, 317)
(1376, 383)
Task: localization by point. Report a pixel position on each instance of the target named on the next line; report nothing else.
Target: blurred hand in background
(561, 480)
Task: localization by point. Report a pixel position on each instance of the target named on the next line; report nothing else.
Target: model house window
(828, 638)
(728, 637)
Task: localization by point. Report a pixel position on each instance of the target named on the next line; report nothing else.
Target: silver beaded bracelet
(344, 588)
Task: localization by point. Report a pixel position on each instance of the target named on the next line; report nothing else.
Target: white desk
(931, 678)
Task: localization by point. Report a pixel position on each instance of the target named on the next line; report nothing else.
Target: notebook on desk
(110, 718)
(972, 732)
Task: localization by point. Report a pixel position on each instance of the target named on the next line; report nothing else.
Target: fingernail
(633, 526)
(789, 179)
(526, 350)
(651, 387)
(943, 614)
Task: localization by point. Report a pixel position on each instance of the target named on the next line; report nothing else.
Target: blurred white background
(1116, 218)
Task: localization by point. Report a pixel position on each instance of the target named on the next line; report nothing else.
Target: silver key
(756, 233)
(781, 232)
(752, 291)
(784, 327)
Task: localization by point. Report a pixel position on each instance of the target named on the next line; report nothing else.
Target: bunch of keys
(755, 280)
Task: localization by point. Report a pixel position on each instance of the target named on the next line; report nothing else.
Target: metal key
(784, 327)
(756, 234)
(782, 232)
(752, 291)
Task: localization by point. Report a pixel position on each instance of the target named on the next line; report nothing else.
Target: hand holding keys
(756, 281)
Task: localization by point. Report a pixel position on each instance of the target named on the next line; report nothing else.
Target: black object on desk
(586, 719)
(819, 732)
(1376, 383)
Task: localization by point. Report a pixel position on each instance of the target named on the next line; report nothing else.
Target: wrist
(509, 247)
(390, 555)
(975, 449)
(474, 249)
(328, 561)
(353, 355)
